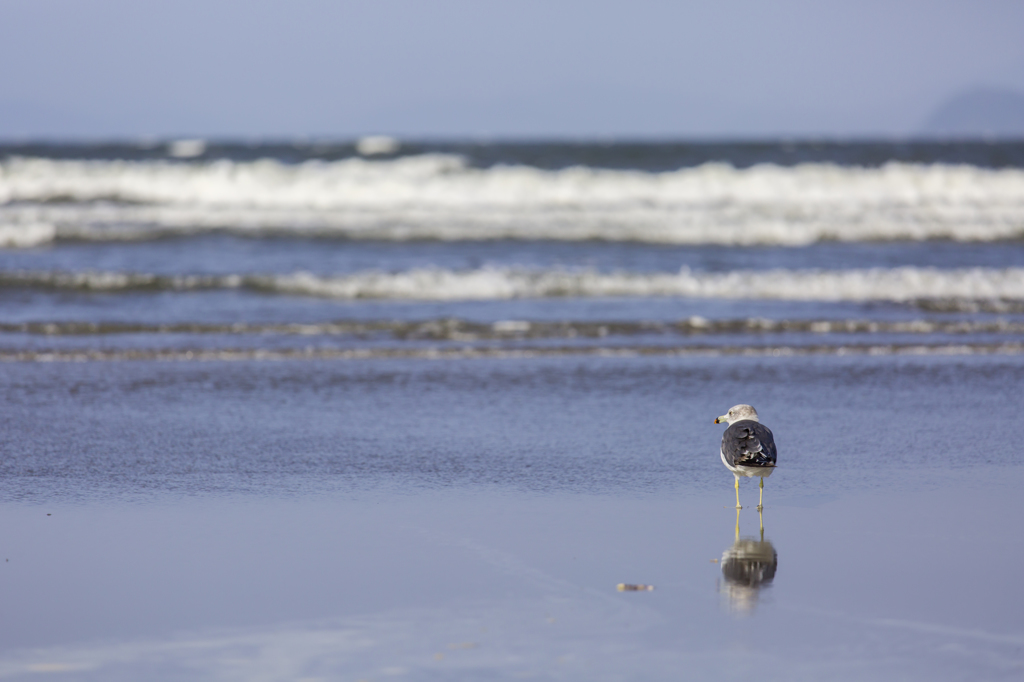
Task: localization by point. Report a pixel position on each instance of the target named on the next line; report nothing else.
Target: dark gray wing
(750, 444)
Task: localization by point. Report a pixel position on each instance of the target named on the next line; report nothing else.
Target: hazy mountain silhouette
(985, 112)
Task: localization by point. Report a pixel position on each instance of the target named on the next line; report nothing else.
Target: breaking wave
(926, 286)
(440, 196)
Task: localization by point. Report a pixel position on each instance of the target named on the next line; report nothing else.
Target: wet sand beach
(471, 519)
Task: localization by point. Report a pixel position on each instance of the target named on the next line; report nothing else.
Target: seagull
(748, 447)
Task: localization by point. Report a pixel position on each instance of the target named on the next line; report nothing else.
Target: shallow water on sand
(471, 519)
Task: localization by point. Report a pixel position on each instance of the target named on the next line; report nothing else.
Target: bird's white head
(738, 413)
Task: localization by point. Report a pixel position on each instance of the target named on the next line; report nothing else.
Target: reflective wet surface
(472, 519)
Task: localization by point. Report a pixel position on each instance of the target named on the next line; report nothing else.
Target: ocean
(393, 409)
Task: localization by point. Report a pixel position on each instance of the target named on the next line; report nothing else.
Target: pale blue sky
(472, 68)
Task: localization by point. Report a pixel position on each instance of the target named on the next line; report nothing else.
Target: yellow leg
(761, 519)
(738, 493)
(760, 497)
(737, 525)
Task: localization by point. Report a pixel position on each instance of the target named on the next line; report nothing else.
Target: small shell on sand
(625, 587)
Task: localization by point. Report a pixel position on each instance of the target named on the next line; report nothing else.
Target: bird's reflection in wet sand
(747, 568)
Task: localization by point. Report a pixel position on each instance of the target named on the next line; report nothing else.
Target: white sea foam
(373, 145)
(186, 149)
(26, 234)
(438, 196)
(455, 329)
(900, 284)
(907, 284)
